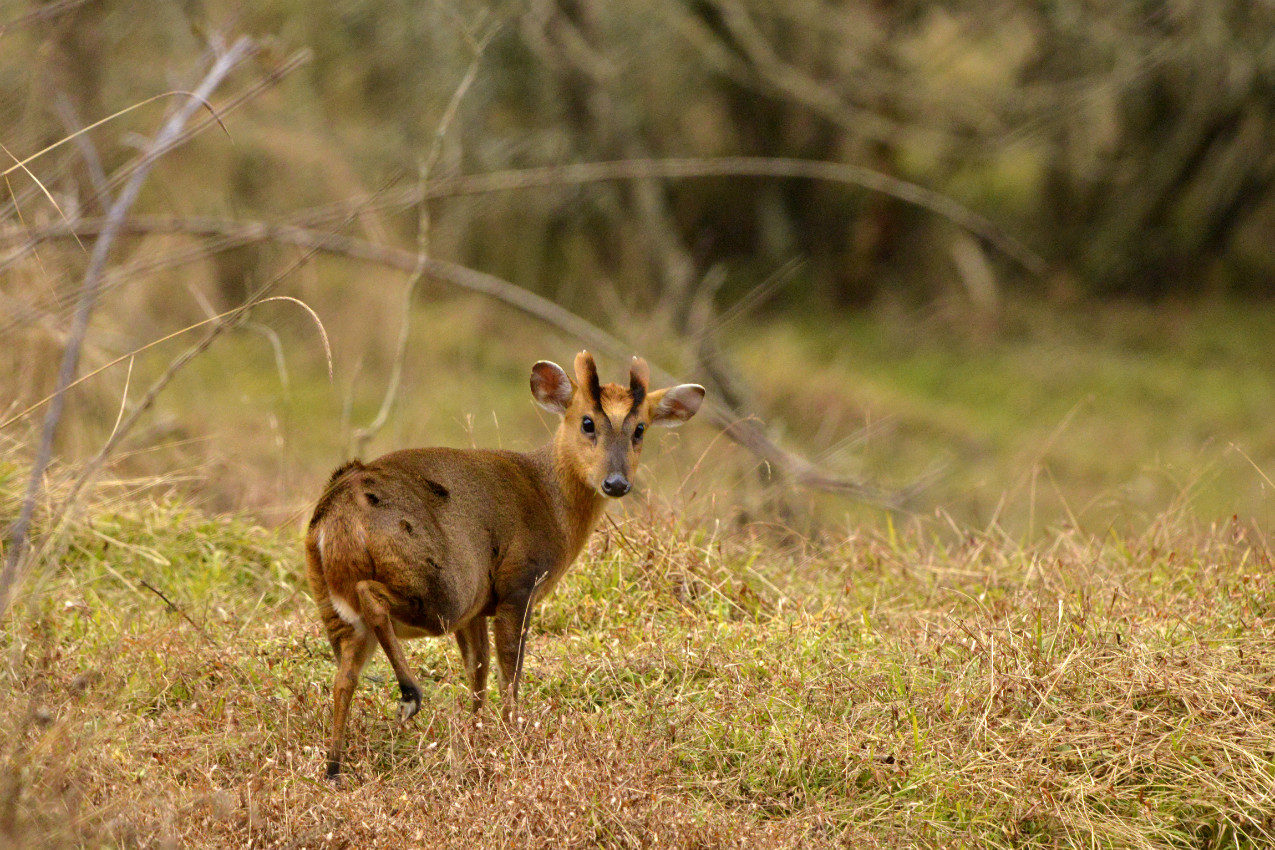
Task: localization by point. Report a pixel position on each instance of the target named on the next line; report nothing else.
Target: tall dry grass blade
(38, 182)
(323, 334)
(18, 209)
(128, 378)
(200, 99)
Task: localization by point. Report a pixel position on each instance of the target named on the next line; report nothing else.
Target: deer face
(603, 426)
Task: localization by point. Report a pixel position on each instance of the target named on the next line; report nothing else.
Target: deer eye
(637, 432)
(586, 425)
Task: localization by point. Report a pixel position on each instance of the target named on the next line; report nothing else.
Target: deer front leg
(512, 622)
(475, 649)
(374, 600)
(352, 649)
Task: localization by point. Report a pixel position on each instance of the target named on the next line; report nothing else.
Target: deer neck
(577, 503)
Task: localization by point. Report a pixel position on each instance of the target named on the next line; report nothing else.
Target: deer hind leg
(475, 649)
(352, 647)
(374, 602)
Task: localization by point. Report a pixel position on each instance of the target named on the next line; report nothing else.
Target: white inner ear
(551, 387)
(678, 404)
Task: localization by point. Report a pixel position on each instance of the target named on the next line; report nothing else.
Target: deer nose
(615, 485)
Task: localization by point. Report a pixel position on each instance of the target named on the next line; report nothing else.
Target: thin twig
(84, 144)
(363, 436)
(178, 609)
(163, 141)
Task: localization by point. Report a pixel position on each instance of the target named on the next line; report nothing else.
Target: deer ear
(551, 387)
(674, 405)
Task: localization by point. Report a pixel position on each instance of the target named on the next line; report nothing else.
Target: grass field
(688, 686)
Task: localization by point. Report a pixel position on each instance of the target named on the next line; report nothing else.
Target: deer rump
(422, 523)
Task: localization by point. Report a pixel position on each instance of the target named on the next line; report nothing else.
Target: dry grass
(908, 688)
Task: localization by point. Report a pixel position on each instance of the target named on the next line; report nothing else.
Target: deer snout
(615, 485)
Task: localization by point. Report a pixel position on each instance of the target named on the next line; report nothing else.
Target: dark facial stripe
(638, 389)
(595, 386)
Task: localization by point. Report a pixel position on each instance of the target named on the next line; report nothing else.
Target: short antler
(587, 376)
(639, 379)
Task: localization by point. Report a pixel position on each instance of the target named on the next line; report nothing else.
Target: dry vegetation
(917, 687)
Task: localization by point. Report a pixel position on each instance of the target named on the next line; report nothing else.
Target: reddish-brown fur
(437, 541)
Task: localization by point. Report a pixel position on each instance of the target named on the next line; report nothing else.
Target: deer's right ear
(551, 387)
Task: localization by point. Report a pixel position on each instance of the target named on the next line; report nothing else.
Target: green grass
(911, 687)
(1100, 415)
(1097, 416)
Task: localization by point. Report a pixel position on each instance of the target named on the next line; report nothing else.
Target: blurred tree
(1163, 149)
(1128, 141)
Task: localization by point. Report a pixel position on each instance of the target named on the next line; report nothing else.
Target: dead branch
(739, 427)
(645, 169)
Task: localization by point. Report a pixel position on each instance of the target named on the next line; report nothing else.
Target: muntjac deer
(437, 541)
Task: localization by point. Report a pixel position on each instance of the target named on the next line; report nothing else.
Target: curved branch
(736, 166)
(739, 427)
(687, 168)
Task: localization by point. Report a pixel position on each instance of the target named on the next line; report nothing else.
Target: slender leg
(475, 649)
(512, 622)
(352, 649)
(375, 607)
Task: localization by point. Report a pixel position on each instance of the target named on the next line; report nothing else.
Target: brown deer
(437, 541)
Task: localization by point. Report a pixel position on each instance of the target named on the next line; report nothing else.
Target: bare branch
(739, 427)
(667, 169)
(165, 140)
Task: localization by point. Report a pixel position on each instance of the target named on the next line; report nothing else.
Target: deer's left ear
(551, 387)
(674, 405)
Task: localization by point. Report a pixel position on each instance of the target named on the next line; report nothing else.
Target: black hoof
(410, 702)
